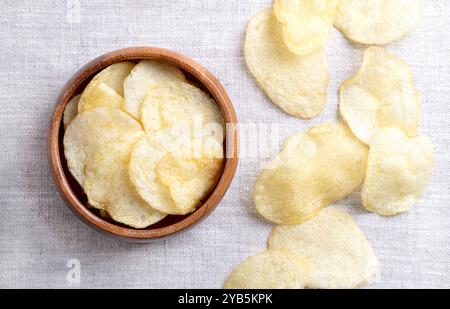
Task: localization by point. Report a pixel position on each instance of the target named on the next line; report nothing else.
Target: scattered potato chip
(381, 94)
(306, 23)
(113, 76)
(146, 75)
(271, 269)
(71, 111)
(298, 85)
(168, 178)
(101, 95)
(338, 253)
(377, 21)
(93, 129)
(108, 187)
(399, 169)
(181, 104)
(314, 170)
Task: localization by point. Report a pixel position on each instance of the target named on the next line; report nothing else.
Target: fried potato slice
(113, 76)
(108, 187)
(271, 269)
(146, 75)
(298, 85)
(101, 95)
(169, 178)
(377, 21)
(306, 23)
(180, 104)
(142, 170)
(399, 169)
(93, 129)
(71, 111)
(188, 180)
(338, 253)
(187, 127)
(314, 170)
(381, 94)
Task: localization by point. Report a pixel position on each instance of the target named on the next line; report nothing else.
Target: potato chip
(168, 178)
(314, 170)
(298, 85)
(381, 94)
(271, 269)
(91, 130)
(146, 75)
(142, 169)
(377, 21)
(399, 169)
(71, 111)
(101, 95)
(306, 23)
(188, 180)
(181, 104)
(108, 187)
(338, 253)
(113, 76)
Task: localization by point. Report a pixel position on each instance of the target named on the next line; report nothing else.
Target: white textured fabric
(44, 42)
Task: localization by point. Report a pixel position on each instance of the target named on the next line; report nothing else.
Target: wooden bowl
(72, 193)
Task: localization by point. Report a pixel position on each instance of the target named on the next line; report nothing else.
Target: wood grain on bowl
(72, 193)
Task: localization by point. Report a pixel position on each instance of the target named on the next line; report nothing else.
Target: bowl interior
(171, 224)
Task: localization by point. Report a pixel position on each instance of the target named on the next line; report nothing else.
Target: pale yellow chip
(108, 187)
(188, 180)
(168, 178)
(91, 130)
(381, 94)
(181, 105)
(179, 163)
(314, 170)
(298, 85)
(113, 76)
(71, 111)
(307, 24)
(399, 169)
(378, 21)
(146, 75)
(338, 253)
(271, 269)
(142, 169)
(101, 95)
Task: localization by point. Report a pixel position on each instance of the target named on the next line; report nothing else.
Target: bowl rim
(216, 90)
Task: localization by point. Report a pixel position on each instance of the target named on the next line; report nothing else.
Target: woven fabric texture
(44, 42)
